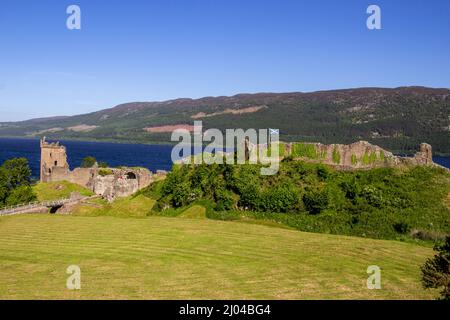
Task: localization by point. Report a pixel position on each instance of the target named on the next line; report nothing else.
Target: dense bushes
(380, 203)
(316, 201)
(88, 162)
(15, 176)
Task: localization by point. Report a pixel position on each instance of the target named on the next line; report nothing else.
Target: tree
(21, 195)
(15, 172)
(15, 177)
(435, 271)
(102, 164)
(88, 162)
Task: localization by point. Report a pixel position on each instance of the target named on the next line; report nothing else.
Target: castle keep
(107, 182)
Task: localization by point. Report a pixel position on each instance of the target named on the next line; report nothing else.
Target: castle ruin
(358, 155)
(107, 182)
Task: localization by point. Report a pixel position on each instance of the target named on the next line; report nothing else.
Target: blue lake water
(443, 161)
(153, 157)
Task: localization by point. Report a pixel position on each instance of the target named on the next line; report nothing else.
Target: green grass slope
(132, 206)
(400, 203)
(58, 190)
(178, 258)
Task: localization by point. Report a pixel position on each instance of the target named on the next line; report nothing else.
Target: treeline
(15, 182)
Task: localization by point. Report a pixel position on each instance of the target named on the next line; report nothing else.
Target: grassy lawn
(194, 212)
(181, 258)
(58, 190)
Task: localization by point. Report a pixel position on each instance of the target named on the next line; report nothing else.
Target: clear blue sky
(139, 50)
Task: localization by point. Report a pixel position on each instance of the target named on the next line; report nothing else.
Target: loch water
(154, 157)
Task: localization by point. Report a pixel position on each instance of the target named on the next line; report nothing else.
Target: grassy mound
(194, 212)
(58, 190)
(133, 206)
(174, 258)
(385, 203)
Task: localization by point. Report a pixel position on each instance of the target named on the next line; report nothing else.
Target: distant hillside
(396, 119)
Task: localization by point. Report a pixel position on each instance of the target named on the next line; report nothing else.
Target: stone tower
(53, 161)
(425, 155)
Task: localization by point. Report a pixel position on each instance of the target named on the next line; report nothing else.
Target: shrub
(88, 162)
(105, 172)
(280, 199)
(316, 201)
(102, 164)
(249, 197)
(336, 156)
(21, 195)
(401, 227)
(365, 159)
(350, 189)
(323, 172)
(373, 196)
(224, 200)
(307, 150)
(181, 195)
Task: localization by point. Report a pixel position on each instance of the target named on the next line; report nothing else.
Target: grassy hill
(58, 190)
(182, 258)
(386, 203)
(397, 119)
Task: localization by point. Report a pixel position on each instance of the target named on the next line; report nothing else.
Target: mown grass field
(182, 258)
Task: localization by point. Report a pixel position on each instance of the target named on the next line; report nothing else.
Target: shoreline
(172, 143)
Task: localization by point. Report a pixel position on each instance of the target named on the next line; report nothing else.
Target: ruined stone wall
(57, 174)
(144, 177)
(358, 155)
(83, 176)
(121, 182)
(423, 157)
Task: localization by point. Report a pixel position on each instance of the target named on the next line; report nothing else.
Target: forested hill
(397, 119)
